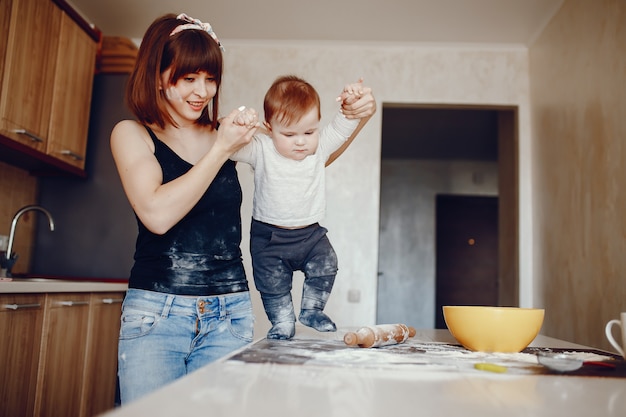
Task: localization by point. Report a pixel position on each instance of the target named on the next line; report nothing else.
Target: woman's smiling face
(189, 95)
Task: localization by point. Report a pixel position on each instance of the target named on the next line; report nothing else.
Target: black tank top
(201, 254)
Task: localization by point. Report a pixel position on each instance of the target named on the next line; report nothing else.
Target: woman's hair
(289, 98)
(188, 51)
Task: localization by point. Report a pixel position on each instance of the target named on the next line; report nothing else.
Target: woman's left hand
(357, 101)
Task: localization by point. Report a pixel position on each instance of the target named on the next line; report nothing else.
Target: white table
(233, 389)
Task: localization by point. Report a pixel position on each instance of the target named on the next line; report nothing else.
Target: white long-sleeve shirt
(290, 193)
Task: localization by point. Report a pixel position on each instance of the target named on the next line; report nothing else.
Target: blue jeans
(164, 337)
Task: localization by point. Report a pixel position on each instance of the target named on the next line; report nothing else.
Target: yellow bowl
(493, 329)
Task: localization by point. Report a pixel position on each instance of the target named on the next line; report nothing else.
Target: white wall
(578, 89)
(397, 73)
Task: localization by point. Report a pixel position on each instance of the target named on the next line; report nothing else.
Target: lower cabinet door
(21, 320)
(63, 353)
(101, 366)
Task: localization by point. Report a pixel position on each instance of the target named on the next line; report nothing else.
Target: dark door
(466, 252)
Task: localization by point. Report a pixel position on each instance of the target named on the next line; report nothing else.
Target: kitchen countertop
(311, 380)
(58, 284)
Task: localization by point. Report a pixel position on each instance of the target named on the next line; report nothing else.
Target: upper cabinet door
(5, 21)
(27, 83)
(69, 120)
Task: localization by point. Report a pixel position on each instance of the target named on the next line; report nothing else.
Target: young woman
(188, 301)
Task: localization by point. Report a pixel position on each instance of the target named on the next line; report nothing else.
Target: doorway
(450, 150)
(466, 253)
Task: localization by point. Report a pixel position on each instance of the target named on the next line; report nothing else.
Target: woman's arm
(356, 104)
(160, 206)
(347, 143)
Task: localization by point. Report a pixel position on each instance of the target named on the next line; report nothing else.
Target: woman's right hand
(236, 129)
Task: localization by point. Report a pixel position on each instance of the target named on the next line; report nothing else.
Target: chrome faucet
(10, 257)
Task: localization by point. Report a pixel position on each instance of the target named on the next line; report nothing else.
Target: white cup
(609, 334)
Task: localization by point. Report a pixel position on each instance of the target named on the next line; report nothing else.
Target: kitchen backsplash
(18, 189)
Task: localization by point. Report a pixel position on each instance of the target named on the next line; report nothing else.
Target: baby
(289, 201)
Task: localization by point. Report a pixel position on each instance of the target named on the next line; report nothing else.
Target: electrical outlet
(4, 243)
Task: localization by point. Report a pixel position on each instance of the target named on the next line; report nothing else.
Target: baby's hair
(289, 98)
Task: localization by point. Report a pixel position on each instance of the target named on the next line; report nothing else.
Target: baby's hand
(351, 93)
(246, 117)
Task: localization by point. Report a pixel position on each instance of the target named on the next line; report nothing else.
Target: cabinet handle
(112, 300)
(73, 155)
(31, 135)
(19, 306)
(73, 303)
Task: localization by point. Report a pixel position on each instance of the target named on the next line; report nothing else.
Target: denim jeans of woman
(164, 337)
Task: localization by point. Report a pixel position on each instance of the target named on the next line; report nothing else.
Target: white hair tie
(195, 24)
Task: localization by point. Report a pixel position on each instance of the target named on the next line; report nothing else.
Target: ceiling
(456, 134)
(456, 21)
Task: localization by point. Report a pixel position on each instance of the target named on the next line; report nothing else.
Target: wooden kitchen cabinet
(5, 17)
(58, 355)
(100, 380)
(21, 321)
(31, 52)
(63, 352)
(71, 98)
(48, 61)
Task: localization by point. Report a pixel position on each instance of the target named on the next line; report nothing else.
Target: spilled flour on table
(411, 355)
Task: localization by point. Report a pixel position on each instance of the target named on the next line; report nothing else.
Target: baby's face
(297, 140)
